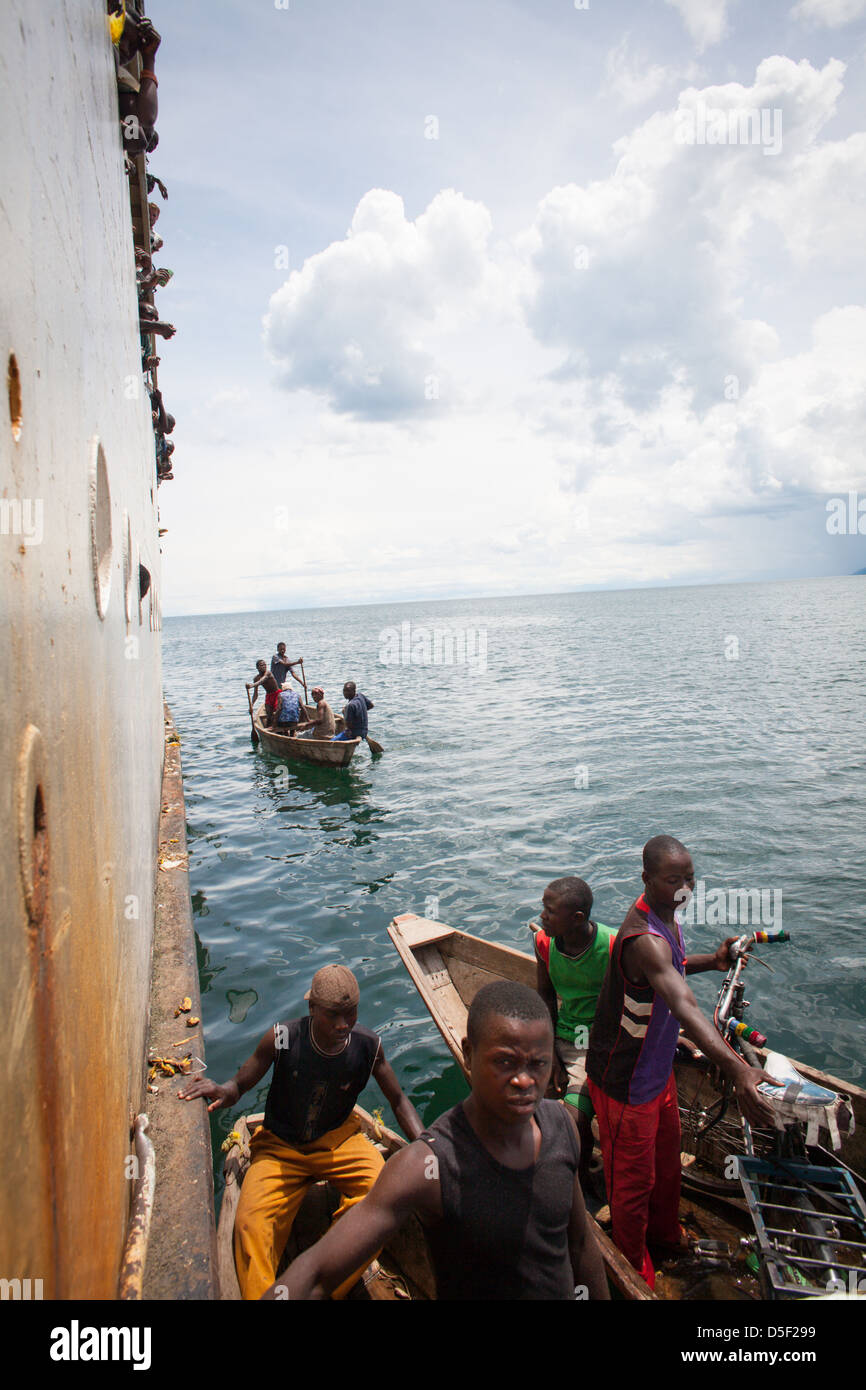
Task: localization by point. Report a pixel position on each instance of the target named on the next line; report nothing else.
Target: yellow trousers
(275, 1186)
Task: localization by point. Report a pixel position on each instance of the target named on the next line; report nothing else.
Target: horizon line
(556, 593)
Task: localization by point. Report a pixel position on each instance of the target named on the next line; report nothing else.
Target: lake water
(565, 731)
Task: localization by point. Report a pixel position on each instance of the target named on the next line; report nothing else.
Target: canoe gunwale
(319, 752)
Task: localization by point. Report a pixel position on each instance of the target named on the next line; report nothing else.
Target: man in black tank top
(494, 1180)
(321, 1065)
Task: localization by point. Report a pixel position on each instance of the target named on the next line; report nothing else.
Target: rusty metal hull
(81, 718)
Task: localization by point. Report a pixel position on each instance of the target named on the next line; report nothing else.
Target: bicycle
(809, 1216)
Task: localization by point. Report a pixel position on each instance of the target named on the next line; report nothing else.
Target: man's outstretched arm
(653, 958)
(718, 959)
(405, 1113)
(249, 1074)
(408, 1182)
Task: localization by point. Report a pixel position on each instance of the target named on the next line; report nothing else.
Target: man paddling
(321, 1065)
(354, 714)
(643, 1002)
(270, 685)
(281, 666)
(494, 1180)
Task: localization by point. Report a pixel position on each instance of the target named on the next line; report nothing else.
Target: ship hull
(81, 718)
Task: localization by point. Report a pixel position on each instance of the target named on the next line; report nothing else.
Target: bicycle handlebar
(746, 1034)
(757, 938)
(730, 1027)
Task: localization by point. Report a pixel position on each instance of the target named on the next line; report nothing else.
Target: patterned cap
(335, 987)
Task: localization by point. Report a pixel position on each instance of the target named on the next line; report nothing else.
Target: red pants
(640, 1145)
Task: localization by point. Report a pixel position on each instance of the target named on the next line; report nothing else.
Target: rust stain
(39, 926)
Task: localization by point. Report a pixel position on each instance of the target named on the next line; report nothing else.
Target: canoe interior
(448, 967)
(403, 1269)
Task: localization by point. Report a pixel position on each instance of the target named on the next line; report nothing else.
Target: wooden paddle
(373, 746)
(303, 680)
(254, 738)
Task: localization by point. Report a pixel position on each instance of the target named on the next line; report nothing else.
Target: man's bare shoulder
(410, 1181)
(649, 947)
(645, 953)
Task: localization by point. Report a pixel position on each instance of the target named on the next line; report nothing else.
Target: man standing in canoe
(281, 666)
(271, 687)
(571, 956)
(321, 1065)
(494, 1180)
(354, 713)
(642, 1005)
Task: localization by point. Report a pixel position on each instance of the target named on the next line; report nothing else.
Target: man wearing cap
(324, 724)
(321, 1065)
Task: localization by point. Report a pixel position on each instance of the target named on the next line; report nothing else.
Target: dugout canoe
(403, 1269)
(448, 967)
(307, 750)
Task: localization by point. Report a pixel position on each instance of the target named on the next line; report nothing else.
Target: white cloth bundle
(800, 1100)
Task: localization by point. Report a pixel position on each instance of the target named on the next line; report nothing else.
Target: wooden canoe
(307, 750)
(403, 1269)
(448, 967)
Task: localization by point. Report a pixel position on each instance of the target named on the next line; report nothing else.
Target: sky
(519, 297)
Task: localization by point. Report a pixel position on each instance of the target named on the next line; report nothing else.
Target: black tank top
(312, 1093)
(504, 1231)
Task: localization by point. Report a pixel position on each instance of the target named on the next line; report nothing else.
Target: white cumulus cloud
(671, 481)
(359, 324)
(805, 416)
(644, 274)
(630, 75)
(832, 14)
(706, 20)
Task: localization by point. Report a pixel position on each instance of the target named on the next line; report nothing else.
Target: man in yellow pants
(321, 1065)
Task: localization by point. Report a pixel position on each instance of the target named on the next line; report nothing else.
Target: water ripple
(600, 719)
